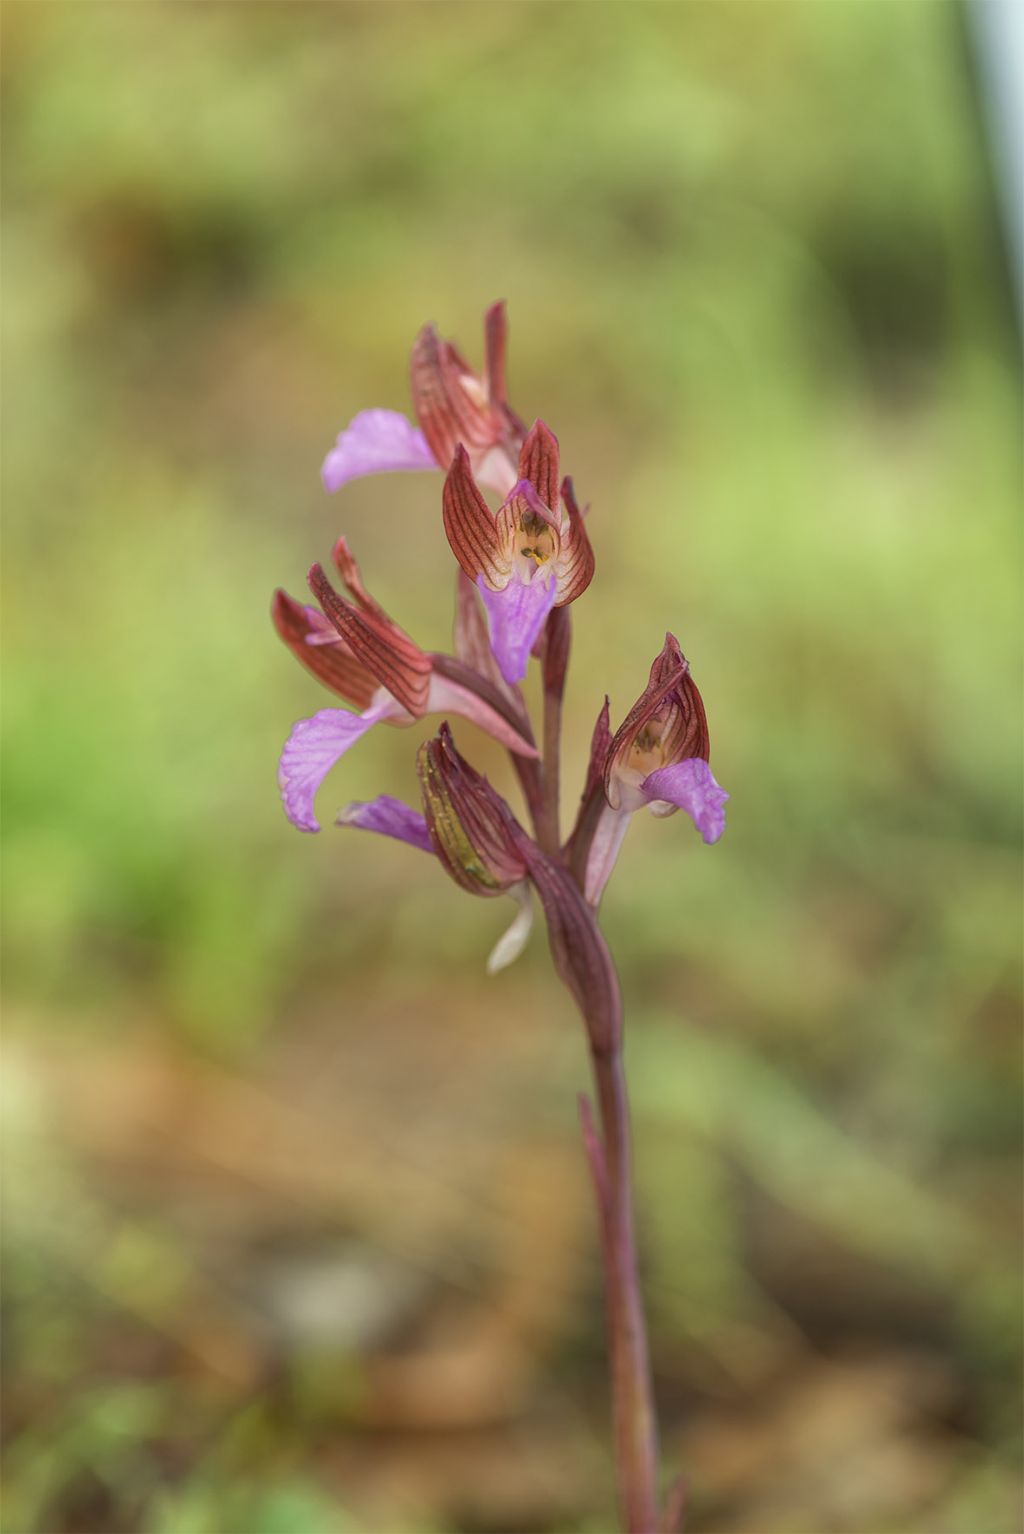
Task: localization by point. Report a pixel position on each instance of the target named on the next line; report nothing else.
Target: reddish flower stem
(531, 782)
(636, 1437)
(585, 966)
(555, 663)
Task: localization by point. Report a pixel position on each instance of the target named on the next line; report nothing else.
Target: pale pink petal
(604, 850)
(494, 468)
(516, 616)
(448, 697)
(388, 817)
(312, 749)
(375, 442)
(689, 786)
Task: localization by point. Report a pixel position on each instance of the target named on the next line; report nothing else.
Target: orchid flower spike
(452, 403)
(360, 653)
(530, 556)
(657, 756)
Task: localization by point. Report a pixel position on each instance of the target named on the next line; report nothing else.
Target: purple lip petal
(691, 786)
(388, 817)
(516, 616)
(375, 442)
(310, 752)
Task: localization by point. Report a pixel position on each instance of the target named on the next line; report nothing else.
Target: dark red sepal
(469, 522)
(332, 663)
(538, 462)
(577, 562)
(394, 660)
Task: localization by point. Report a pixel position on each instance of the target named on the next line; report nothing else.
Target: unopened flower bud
(469, 823)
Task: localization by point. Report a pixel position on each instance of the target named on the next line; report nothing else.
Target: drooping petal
(516, 616)
(689, 786)
(514, 939)
(388, 817)
(312, 749)
(375, 442)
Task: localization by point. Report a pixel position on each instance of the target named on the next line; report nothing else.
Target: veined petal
(575, 563)
(538, 462)
(312, 749)
(387, 652)
(470, 525)
(347, 566)
(318, 645)
(375, 442)
(666, 725)
(388, 817)
(689, 786)
(516, 616)
(449, 399)
(514, 939)
(453, 404)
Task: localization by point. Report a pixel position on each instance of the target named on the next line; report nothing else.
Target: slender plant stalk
(636, 1434)
(659, 753)
(609, 1154)
(531, 782)
(548, 833)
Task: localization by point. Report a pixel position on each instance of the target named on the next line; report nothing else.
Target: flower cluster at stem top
(520, 568)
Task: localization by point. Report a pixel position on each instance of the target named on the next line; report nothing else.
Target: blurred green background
(298, 1233)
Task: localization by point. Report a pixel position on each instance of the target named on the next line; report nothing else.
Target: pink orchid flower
(453, 405)
(360, 653)
(533, 554)
(657, 757)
